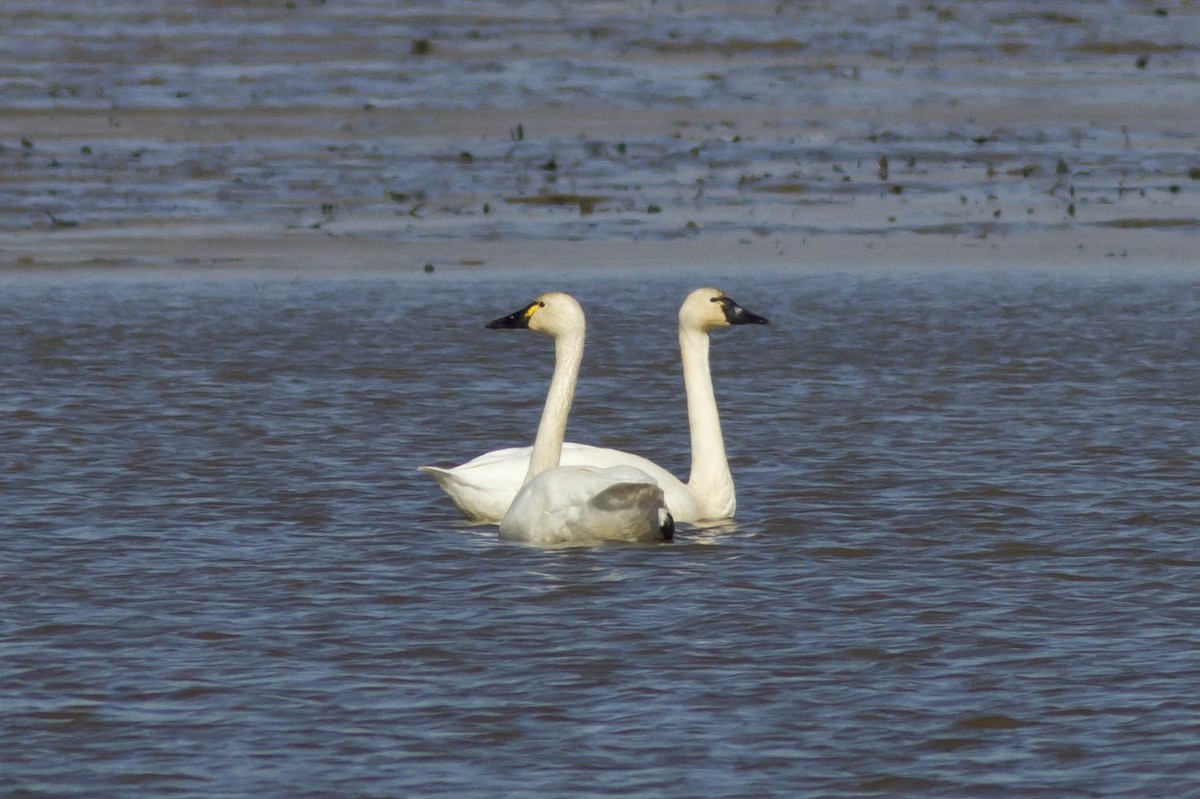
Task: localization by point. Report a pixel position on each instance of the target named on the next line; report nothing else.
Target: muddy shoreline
(313, 138)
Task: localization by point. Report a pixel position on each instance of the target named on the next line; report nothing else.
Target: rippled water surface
(964, 562)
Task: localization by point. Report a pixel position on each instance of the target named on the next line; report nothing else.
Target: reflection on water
(964, 562)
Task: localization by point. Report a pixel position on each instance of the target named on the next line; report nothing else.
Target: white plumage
(585, 504)
(484, 488)
(575, 504)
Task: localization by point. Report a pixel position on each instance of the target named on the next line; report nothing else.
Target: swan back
(483, 488)
(587, 505)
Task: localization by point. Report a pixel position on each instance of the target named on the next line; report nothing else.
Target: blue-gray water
(964, 562)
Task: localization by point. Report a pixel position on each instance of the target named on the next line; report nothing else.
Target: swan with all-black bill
(483, 488)
(559, 505)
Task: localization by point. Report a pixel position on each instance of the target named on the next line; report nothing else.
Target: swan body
(575, 504)
(484, 488)
(586, 504)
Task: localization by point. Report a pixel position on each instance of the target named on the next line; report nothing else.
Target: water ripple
(962, 564)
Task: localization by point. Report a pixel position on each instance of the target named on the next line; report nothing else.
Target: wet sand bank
(195, 249)
(360, 138)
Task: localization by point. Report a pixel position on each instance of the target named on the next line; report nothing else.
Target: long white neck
(710, 481)
(552, 429)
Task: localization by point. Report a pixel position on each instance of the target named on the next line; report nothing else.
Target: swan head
(707, 309)
(553, 313)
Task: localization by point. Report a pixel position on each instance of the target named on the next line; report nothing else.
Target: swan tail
(477, 502)
(444, 477)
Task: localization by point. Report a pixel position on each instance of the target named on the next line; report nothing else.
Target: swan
(575, 504)
(483, 488)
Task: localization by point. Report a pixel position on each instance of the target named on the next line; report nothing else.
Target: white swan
(483, 488)
(575, 504)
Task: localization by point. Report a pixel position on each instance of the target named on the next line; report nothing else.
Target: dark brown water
(964, 562)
